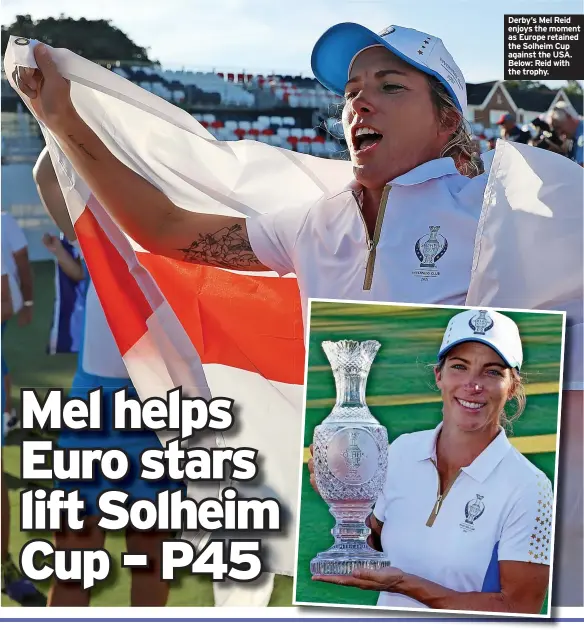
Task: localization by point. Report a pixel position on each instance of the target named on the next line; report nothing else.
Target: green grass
(409, 341)
(30, 366)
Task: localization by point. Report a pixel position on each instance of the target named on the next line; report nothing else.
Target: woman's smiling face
(475, 384)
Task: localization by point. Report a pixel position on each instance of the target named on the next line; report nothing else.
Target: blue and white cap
(486, 326)
(335, 52)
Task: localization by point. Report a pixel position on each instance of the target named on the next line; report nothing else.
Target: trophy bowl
(350, 462)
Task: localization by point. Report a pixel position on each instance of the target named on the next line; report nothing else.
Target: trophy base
(344, 561)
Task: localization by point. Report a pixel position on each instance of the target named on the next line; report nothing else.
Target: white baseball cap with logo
(335, 52)
(487, 327)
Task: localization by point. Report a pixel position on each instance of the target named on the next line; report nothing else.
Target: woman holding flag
(410, 226)
(412, 163)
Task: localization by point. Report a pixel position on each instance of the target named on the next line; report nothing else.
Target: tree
(573, 87)
(525, 85)
(97, 40)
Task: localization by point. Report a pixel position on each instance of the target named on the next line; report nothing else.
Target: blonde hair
(518, 401)
(460, 147)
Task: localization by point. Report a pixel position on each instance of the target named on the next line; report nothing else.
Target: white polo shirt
(424, 251)
(422, 254)
(498, 508)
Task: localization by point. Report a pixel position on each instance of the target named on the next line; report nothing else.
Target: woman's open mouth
(365, 139)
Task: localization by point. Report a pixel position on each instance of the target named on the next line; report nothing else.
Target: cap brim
(336, 48)
(449, 347)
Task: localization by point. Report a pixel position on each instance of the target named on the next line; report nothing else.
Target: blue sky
(265, 35)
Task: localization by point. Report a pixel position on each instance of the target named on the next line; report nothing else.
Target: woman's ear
(450, 120)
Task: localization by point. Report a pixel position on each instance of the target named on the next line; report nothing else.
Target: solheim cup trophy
(350, 461)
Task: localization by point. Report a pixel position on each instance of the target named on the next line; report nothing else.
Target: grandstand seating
(202, 87)
(297, 91)
(277, 131)
(226, 105)
(231, 93)
(229, 89)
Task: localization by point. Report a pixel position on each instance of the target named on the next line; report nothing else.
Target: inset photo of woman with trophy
(430, 456)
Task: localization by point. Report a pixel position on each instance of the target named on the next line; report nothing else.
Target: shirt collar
(489, 459)
(426, 448)
(482, 466)
(434, 169)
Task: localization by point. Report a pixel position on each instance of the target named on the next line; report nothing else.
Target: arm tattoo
(225, 248)
(82, 147)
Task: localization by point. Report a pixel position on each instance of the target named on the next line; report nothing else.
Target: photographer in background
(546, 137)
(566, 122)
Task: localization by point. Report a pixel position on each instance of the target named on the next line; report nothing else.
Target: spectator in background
(100, 365)
(71, 282)
(566, 122)
(511, 131)
(19, 274)
(14, 584)
(545, 137)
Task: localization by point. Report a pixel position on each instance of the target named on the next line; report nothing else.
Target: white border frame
(434, 611)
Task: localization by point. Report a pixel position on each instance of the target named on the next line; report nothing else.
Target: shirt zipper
(372, 243)
(441, 497)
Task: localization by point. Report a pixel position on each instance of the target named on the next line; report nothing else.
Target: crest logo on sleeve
(472, 511)
(429, 249)
(387, 31)
(481, 323)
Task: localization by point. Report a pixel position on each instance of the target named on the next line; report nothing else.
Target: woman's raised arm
(142, 210)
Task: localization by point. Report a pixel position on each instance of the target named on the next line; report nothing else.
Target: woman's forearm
(24, 274)
(139, 208)
(436, 596)
(51, 195)
(147, 214)
(7, 310)
(72, 267)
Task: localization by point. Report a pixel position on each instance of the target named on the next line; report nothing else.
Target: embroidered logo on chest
(472, 511)
(429, 249)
